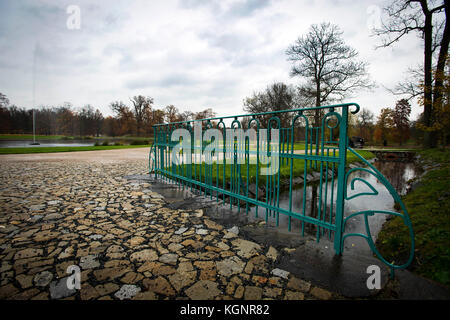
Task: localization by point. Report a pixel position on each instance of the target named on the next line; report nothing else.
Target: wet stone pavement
(126, 239)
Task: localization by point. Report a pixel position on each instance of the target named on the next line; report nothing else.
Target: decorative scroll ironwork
(366, 213)
(229, 168)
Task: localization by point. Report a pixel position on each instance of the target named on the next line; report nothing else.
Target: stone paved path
(128, 244)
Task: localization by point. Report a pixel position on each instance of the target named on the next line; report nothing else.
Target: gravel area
(77, 209)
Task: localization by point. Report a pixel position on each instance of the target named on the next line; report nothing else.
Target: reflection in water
(397, 173)
(46, 143)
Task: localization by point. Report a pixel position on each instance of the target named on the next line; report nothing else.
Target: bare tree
(98, 122)
(4, 101)
(205, 114)
(277, 96)
(365, 117)
(330, 67)
(410, 87)
(158, 116)
(118, 107)
(408, 16)
(365, 123)
(124, 116)
(187, 115)
(172, 114)
(141, 104)
(86, 120)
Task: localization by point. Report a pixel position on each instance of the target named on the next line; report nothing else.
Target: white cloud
(193, 54)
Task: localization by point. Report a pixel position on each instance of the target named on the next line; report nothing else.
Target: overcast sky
(190, 53)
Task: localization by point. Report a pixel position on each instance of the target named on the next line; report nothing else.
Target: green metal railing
(307, 154)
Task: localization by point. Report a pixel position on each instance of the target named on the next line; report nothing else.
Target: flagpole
(34, 95)
(34, 130)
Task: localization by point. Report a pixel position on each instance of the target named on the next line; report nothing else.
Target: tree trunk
(440, 67)
(317, 111)
(428, 102)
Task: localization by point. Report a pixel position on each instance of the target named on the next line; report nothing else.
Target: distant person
(384, 143)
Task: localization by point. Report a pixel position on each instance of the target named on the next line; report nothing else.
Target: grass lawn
(298, 168)
(375, 148)
(64, 149)
(62, 137)
(429, 209)
(30, 137)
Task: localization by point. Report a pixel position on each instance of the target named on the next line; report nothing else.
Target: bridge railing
(248, 161)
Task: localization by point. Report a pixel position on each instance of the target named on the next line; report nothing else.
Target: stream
(305, 258)
(397, 173)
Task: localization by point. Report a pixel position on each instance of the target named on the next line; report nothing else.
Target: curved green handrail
(367, 213)
(319, 136)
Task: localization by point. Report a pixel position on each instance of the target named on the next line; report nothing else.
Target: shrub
(139, 142)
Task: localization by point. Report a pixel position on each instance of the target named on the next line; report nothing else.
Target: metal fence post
(341, 181)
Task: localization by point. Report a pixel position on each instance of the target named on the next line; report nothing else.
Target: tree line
(135, 119)
(391, 125)
(329, 71)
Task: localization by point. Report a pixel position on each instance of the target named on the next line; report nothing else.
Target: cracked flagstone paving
(124, 238)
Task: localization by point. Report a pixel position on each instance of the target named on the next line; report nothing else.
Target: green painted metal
(305, 149)
(403, 214)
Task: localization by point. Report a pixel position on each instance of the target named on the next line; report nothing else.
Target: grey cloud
(235, 47)
(248, 7)
(101, 19)
(240, 48)
(61, 58)
(21, 20)
(43, 11)
(238, 9)
(126, 61)
(196, 4)
(168, 81)
(188, 86)
(227, 41)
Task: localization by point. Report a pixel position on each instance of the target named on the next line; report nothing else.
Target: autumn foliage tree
(125, 117)
(400, 120)
(87, 121)
(393, 124)
(141, 105)
(384, 125)
(65, 120)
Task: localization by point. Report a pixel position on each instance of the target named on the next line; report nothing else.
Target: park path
(77, 208)
(100, 156)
